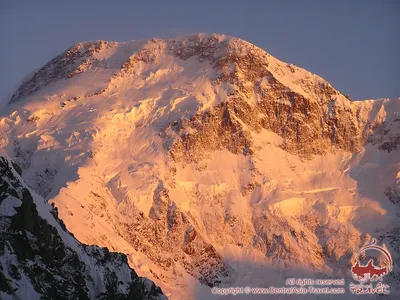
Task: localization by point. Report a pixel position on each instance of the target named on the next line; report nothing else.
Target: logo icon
(371, 272)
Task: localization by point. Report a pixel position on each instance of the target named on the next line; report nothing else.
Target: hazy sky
(354, 44)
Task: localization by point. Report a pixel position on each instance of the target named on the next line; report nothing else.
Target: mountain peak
(190, 153)
(198, 73)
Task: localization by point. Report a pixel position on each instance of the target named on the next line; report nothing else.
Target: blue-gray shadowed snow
(208, 161)
(353, 44)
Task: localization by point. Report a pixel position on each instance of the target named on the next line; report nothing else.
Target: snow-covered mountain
(208, 161)
(40, 259)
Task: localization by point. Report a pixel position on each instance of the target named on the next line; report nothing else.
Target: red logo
(363, 273)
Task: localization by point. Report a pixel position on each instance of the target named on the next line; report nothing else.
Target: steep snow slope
(207, 161)
(40, 259)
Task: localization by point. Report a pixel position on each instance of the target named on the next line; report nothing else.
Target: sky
(355, 45)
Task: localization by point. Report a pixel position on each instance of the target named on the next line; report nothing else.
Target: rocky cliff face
(40, 259)
(310, 122)
(207, 161)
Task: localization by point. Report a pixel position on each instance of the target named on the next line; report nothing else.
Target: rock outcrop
(40, 258)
